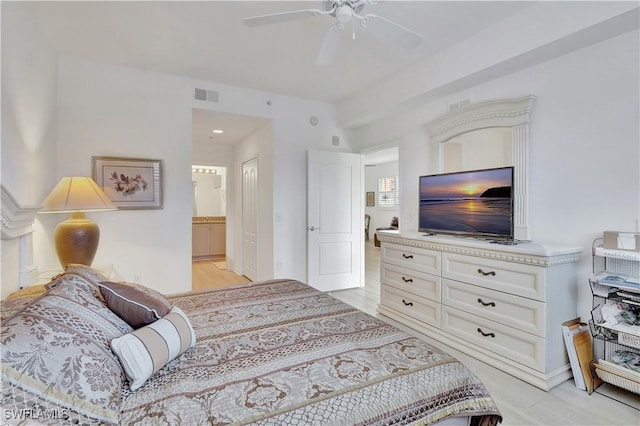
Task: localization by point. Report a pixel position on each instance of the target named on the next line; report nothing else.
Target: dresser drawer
(418, 283)
(516, 345)
(415, 258)
(516, 278)
(417, 307)
(514, 311)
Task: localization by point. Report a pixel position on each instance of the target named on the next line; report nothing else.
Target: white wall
(109, 110)
(584, 149)
(113, 111)
(534, 35)
(116, 111)
(29, 86)
(293, 138)
(208, 154)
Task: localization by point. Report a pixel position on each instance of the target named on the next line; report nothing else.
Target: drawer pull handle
(485, 303)
(485, 334)
(407, 256)
(407, 303)
(407, 280)
(492, 273)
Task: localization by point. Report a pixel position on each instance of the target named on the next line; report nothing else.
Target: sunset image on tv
(474, 202)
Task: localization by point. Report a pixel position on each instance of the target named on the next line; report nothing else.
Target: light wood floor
(205, 274)
(519, 402)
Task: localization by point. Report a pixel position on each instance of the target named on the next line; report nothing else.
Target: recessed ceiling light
(218, 131)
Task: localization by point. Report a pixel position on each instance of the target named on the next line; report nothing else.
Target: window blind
(388, 194)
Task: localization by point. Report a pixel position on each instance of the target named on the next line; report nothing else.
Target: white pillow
(148, 349)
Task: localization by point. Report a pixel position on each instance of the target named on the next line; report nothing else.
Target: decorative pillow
(136, 304)
(150, 348)
(55, 353)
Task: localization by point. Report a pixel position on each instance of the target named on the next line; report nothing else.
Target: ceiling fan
(344, 11)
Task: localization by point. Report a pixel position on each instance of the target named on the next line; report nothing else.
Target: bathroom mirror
(209, 191)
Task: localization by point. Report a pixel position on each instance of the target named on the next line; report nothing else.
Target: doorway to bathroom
(209, 217)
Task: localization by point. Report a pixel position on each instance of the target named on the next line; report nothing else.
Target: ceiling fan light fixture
(344, 13)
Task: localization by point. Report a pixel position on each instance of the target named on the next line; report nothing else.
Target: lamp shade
(76, 194)
(76, 238)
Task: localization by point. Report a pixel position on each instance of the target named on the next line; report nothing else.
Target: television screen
(475, 202)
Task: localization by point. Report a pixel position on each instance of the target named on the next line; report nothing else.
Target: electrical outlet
(136, 278)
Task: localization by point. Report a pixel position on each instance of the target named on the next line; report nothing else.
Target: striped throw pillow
(148, 349)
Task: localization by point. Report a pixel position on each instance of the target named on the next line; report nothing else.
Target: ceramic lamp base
(77, 240)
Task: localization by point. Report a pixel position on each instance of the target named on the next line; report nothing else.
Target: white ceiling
(235, 127)
(207, 40)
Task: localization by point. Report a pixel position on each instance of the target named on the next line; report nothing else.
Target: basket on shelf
(614, 332)
(601, 290)
(598, 329)
(629, 339)
(632, 297)
(612, 373)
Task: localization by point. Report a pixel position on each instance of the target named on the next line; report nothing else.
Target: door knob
(313, 228)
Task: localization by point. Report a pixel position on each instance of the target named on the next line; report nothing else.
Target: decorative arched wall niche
(512, 113)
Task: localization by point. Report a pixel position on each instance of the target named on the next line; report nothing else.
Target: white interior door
(250, 219)
(335, 223)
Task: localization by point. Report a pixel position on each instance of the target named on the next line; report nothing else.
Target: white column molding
(520, 144)
(513, 113)
(17, 222)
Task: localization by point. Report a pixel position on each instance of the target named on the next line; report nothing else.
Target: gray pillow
(56, 354)
(136, 304)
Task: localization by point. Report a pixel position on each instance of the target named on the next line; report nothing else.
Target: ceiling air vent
(207, 95)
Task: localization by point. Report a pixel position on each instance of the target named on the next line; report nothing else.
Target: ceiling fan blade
(329, 45)
(389, 29)
(275, 18)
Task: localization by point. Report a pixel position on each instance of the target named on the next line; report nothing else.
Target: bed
(270, 353)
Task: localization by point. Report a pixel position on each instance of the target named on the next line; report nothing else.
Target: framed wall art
(371, 199)
(131, 183)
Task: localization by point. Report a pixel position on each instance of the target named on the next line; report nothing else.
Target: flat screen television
(471, 203)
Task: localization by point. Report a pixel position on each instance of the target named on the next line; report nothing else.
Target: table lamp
(76, 238)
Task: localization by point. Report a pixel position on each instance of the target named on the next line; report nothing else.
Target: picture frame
(130, 183)
(371, 199)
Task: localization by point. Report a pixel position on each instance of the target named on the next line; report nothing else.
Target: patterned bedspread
(282, 353)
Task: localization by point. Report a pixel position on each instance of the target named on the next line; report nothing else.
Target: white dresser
(501, 304)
